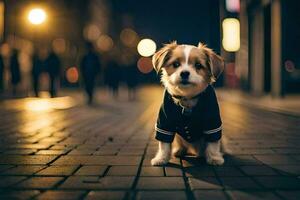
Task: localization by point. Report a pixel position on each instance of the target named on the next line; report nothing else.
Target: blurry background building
(267, 61)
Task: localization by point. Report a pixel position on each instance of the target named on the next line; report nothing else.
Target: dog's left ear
(215, 61)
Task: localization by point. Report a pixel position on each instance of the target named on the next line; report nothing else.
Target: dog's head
(186, 69)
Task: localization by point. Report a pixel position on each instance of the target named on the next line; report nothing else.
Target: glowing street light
(231, 34)
(37, 16)
(146, 47)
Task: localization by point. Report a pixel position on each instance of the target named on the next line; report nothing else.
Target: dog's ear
(215, 62)
(161, 56)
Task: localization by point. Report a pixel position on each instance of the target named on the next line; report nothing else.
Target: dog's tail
(224, 146)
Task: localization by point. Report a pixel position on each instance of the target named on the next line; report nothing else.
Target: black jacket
(203, 121)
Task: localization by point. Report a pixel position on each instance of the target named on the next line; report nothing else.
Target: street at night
(146, 100)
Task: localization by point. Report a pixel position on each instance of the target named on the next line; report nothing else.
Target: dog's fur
(204, 67)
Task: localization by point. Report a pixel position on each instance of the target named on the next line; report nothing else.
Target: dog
(189, 121)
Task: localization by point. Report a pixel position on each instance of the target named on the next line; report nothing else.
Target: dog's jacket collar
(203, 121)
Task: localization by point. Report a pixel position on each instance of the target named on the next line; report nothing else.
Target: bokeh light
(289, 66)
(233, 5)
(231, 34)
(129, 37)
(146, 47)
(37, 16)
(105, 43)
(145, 65)
(59, 45)
(72, 75)
(91, 32)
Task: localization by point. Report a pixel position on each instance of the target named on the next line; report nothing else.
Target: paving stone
(39, 182)
(204, 183)
(290, 170)
(20, 151)
(289, 195)
(98, 160)
(106, 152)
(88, 182)
(24, 170)
(161, 183)
(252, 195)
(81, 152)
(123, 171)
(209, 195)
(158, 195)
(152, 171)
(228, 171)
(7, 181)
(199, 171)
(172, 171)
(51, 152)
(26, 160)
(105, 195)
(277, 159)
(58, 170)
(239, 183)
(279, 182)
(241, 160)
(258, 170)
(61, 195)
(91, 170)
(17, 194)
(5, 167)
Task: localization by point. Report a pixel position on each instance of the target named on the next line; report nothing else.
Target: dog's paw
(215, 160)
(158, 161)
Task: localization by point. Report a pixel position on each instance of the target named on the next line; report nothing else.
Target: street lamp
(146, 47)
(37, 16)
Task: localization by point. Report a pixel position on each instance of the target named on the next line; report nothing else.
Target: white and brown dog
(189, 117)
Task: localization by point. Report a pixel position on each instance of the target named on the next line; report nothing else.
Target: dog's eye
(198, 65)
(176, 64)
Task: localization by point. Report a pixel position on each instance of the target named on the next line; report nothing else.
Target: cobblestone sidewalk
(62, 149)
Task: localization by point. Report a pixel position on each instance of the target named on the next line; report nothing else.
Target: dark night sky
(188, 21)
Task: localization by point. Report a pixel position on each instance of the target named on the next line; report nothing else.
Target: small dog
(189, 117)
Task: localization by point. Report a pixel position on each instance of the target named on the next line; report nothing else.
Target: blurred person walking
(37, 69)
(15, 73)
(90, 67)
(53, 68)
(113, 77)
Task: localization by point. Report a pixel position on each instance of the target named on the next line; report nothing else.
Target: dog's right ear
(161, 56)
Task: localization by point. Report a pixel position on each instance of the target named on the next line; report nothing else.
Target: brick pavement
(62, 149)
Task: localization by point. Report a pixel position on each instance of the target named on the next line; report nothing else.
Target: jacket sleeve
(212, 128)
(165, 129)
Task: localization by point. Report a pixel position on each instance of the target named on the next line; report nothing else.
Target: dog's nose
(184, 74)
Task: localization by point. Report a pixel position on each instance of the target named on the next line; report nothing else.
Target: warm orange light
(37, 16)
(129, 37)
(105, 43)
(72, 75)
(145, 65)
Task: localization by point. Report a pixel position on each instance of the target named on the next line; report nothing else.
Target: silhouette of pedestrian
(15, 71)
(1, 73)
(37, 67)
(112, 77)
(53, 68)
(132, 81)
(90, 67)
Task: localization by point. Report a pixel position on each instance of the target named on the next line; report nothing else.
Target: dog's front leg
(163, 155)
(213, 153)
